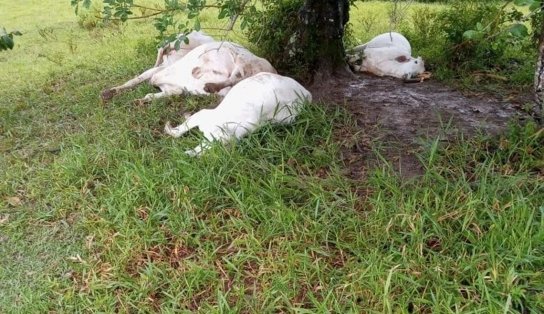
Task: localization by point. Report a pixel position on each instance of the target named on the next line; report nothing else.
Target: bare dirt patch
(399, 117)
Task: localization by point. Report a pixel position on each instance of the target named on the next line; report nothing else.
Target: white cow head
(386, 61)
(355, 61)
(409, 66)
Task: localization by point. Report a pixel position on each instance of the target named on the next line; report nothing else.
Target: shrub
(473, 54)
(272, 30)
(439, 36)
(92, 17)
(425, 35)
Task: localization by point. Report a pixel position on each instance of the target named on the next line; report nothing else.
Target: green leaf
(519, 30)
(197, 24)
(7, 42)
(535, 6)
(524, 2)
(472, 34)
(6, 39)
(75, 4)
(244, 24)
(222, 14)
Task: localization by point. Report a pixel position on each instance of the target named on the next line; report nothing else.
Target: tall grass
(99, 211)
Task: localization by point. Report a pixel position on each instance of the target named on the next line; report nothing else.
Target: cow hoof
(212, 88)
(192, 153)
(168, 128)
(107, 94)
(139, 102)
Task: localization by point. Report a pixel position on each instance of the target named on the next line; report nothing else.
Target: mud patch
(399, 118)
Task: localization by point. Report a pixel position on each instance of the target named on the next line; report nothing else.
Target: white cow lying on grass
(262, 98)
(386, 54)
(168, 55)
(212, 67)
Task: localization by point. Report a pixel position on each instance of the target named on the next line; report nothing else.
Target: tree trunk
(539, 75)
(321, 37)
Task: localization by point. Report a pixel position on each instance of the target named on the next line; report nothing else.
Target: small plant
(91, 17)
(72, 42)
(47, 33)
(425, 34)
(397, 13)
(6, 39)
(368, 22)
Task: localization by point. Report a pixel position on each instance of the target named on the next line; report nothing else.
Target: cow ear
(402, 59)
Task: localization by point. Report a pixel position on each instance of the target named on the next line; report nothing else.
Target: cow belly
(186, 81)
(173, 81)
(192, 72)
(383, 68)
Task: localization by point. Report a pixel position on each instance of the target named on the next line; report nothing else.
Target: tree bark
(323, 24)
(539, 75)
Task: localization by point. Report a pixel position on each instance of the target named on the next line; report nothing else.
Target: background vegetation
(101, 212)
(497, 57)
(500, 55)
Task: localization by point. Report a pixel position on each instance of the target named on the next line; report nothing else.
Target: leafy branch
(6, 39)
(517, 29)
(167, 19)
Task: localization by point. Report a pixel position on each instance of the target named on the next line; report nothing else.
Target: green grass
(372, 18)
(100, 212)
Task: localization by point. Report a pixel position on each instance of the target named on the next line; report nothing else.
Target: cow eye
(359, 62)
(415, 62)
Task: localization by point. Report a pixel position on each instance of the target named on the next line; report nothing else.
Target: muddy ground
(399, 118)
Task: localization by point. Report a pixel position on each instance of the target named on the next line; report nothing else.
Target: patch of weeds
(476, 202)
(501, 60)
(91, 18)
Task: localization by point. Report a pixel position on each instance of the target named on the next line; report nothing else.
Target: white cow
(386, 54)
(391, 39)
(213, 67)
(168, 54)
(265, 97)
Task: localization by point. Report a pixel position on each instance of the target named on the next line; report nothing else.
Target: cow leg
(235, 77)
(167, 93)
(190, 122)
(224, 91)
(218, 86)
(197, 151)
(216, 136)
(160, 54)
(176, 131)
(109, 93)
